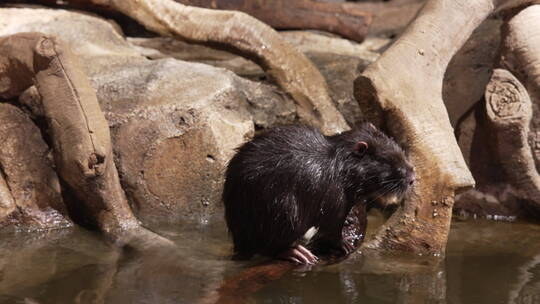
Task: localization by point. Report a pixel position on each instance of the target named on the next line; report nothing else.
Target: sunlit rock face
(339, 60)
(174, 124)
(178, 111)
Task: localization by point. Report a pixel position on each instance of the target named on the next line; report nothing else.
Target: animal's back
(270, 180)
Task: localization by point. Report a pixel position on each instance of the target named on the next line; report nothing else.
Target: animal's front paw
(299, 255)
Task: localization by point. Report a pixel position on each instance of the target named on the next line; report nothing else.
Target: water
(486, 262)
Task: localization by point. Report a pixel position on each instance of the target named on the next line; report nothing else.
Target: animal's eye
(361, 146)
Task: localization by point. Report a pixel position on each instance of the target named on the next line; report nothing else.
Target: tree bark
(402, 92)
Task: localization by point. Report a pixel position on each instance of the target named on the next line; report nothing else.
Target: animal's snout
(411, 178)
(408, 175)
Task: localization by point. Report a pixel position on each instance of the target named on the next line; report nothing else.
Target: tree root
(402, 92)
(509, 110)
(512, 103)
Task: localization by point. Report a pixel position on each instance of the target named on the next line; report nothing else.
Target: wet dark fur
(292, 178)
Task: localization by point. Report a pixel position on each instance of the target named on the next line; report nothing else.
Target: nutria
(291, 187)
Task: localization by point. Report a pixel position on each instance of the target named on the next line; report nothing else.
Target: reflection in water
(486, 262)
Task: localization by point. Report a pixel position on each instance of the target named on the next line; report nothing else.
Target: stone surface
(26, 167)
(339, 60)
(174, 124)
(500, 203)
(173, 139)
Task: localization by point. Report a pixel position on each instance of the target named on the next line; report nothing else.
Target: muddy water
(486, 262)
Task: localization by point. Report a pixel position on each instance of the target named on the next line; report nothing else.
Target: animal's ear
(361, 146)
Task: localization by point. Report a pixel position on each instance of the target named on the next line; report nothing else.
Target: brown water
(486, 262)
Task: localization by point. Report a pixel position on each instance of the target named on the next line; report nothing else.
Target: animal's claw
(299, 255)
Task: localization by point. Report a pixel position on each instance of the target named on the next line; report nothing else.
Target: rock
(340, 72)
(339, 60)
(167, 47)
(320, 42)
(30, 196)
(173, 139)
(174, 124)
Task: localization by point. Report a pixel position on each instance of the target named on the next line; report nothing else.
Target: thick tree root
(509, 110)
(509, 107)
(402, 92)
